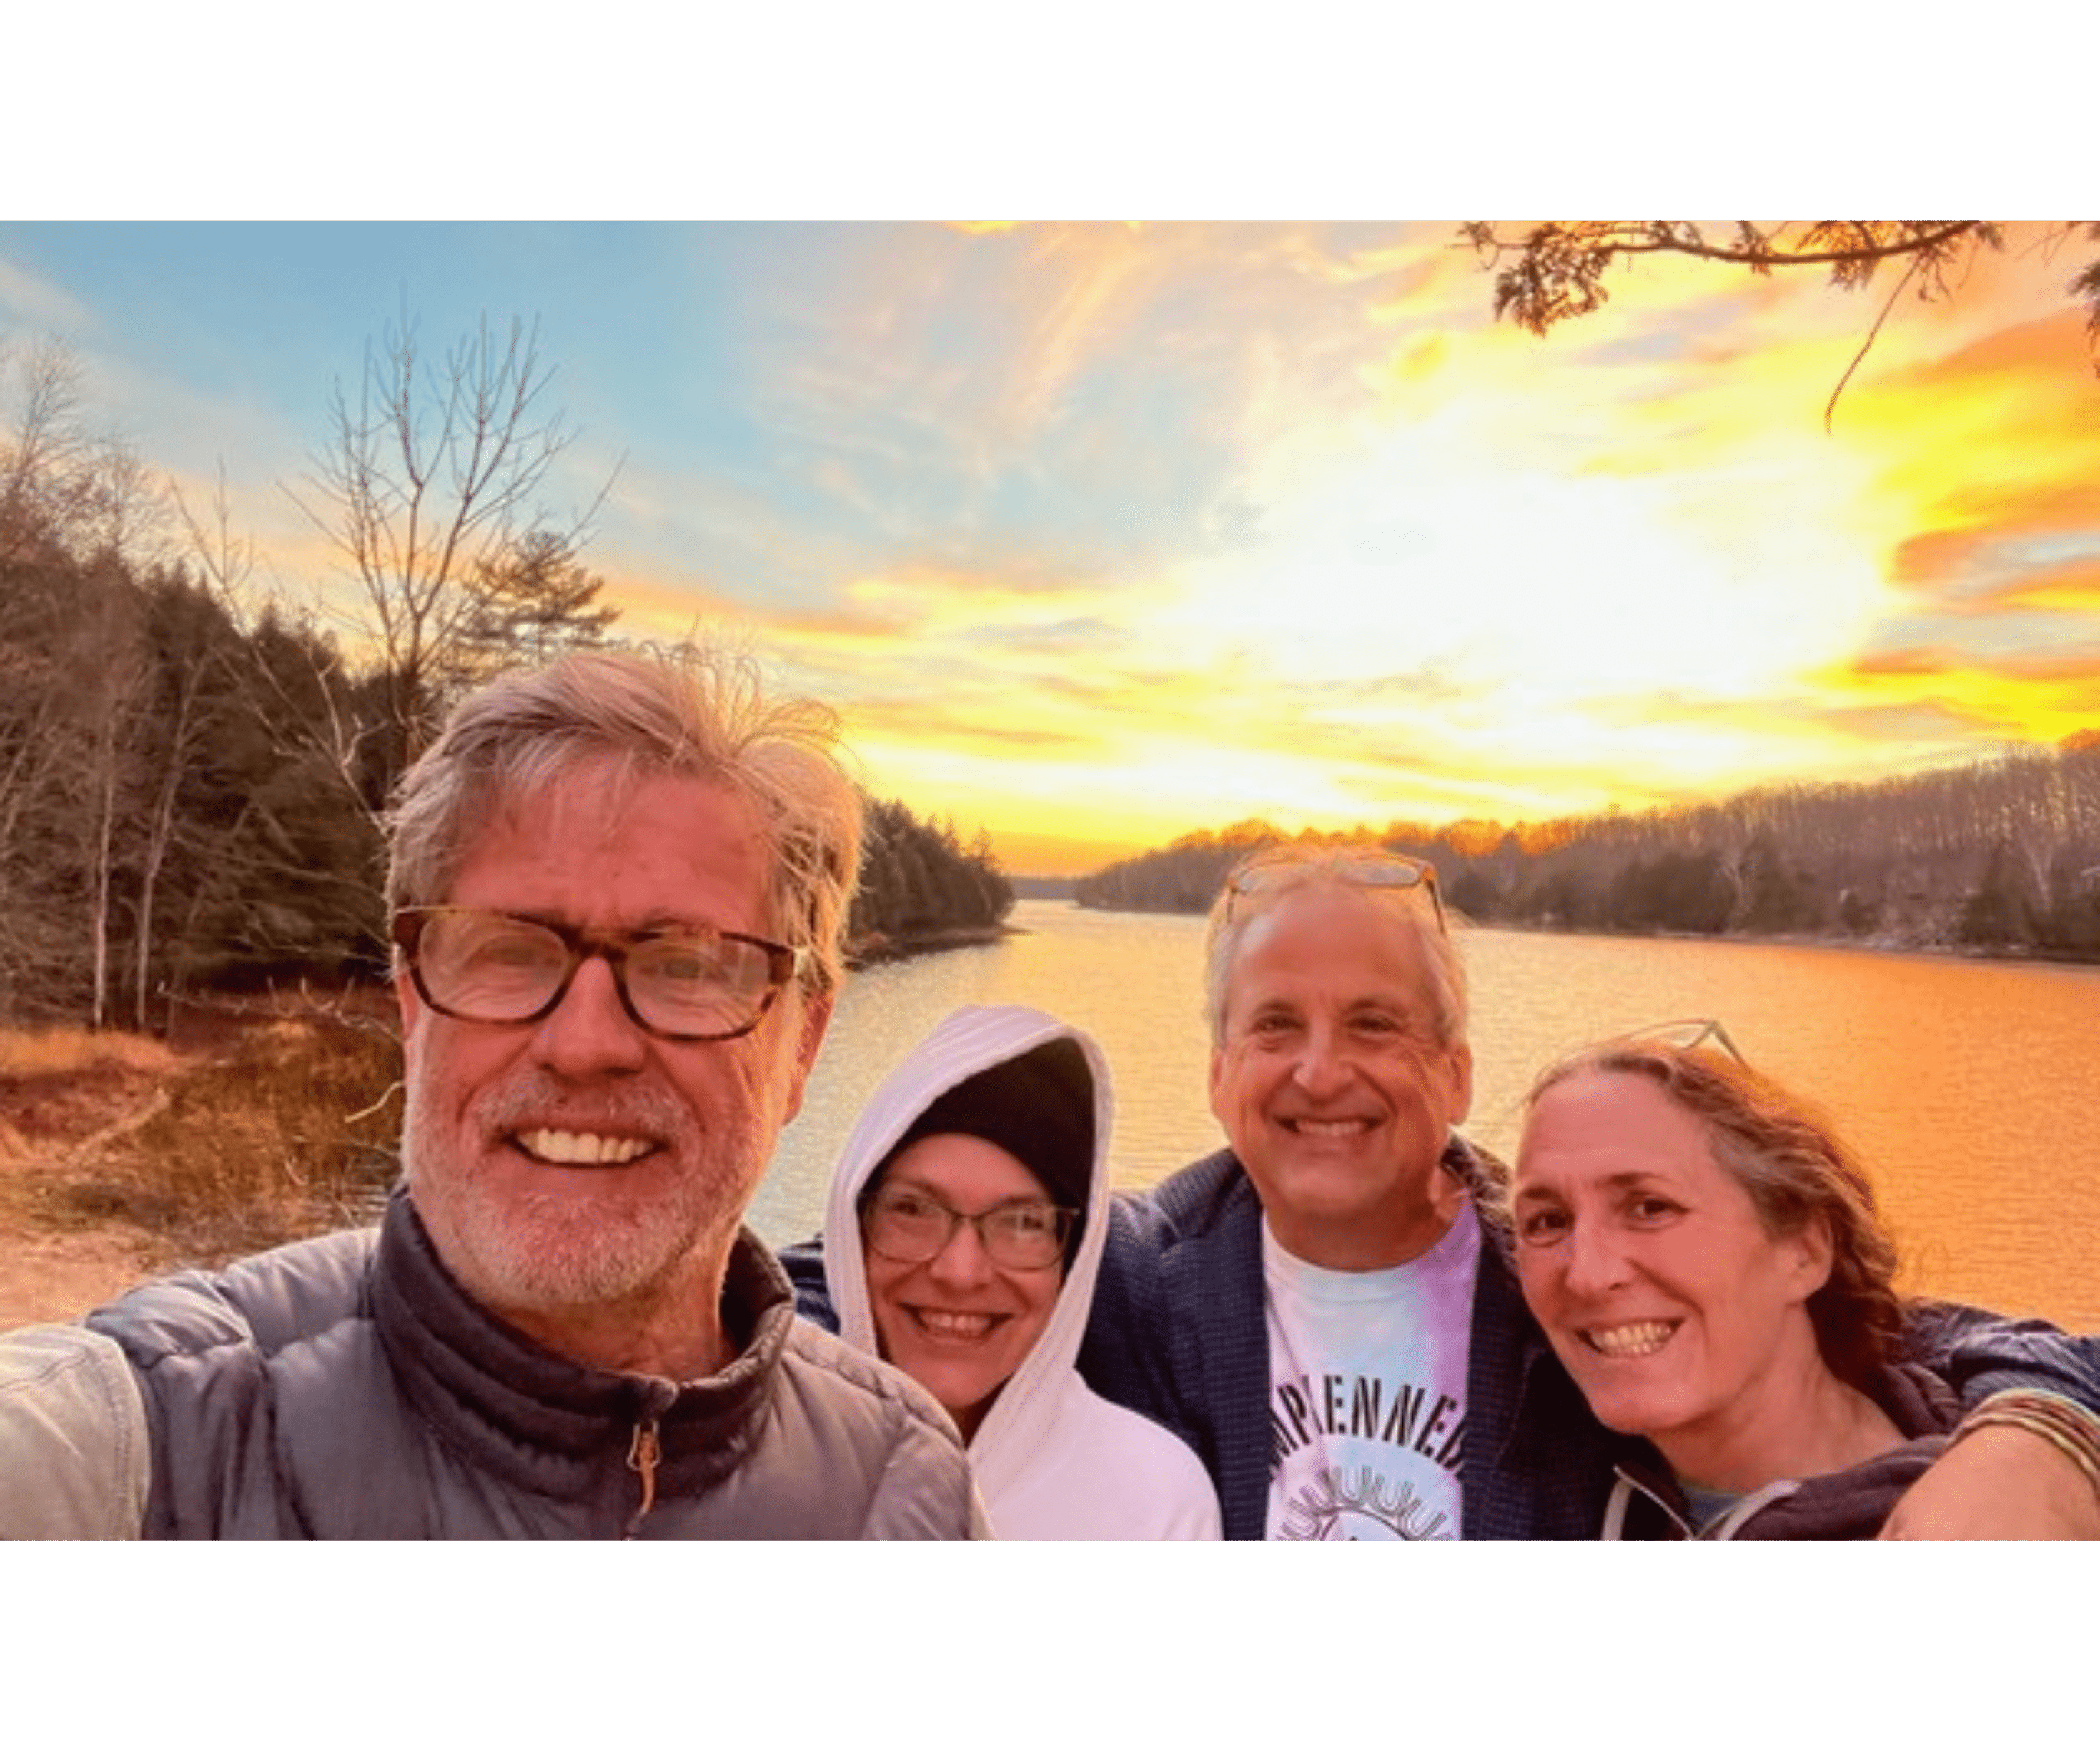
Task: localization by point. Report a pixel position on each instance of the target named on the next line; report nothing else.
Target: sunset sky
(1099, 533)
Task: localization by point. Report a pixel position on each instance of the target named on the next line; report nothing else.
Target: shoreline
(887, 950)
(2001, 953)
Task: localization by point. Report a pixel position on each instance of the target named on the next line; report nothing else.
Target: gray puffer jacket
(349, 1388)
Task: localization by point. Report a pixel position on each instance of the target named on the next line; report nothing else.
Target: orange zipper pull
(642, 1455)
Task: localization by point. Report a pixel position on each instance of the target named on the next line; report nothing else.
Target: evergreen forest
(192, 771)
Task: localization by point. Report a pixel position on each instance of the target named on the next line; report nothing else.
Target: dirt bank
(122, 1155)
(47, 1276)
(49, 1272)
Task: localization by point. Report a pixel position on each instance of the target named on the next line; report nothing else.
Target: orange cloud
(2036, 697)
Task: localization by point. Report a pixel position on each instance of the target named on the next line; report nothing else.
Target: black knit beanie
(1039, 1107)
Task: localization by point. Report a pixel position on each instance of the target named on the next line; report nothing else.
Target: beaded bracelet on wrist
(2053, 1417)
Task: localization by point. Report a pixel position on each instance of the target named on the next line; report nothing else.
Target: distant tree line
(192, 775)
(1061, 887)
(2000, 855)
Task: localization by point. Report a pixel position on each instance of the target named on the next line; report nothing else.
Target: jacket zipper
(643, 1455)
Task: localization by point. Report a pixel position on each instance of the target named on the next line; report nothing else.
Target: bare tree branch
(426, 481)
(1888, 306)
(1557, 269)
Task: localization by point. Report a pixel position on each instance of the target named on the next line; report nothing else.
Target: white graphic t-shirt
(1367, 1392)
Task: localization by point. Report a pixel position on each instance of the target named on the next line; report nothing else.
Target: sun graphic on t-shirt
(1360, 1505)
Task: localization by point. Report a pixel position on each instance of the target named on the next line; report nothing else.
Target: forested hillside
(2003, 855)
(187, 803)
(191, 775)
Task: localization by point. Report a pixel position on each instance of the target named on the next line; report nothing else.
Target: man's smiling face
(1329, 1079)
(578, 1162)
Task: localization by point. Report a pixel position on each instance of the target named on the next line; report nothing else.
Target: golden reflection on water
(1968, 1086)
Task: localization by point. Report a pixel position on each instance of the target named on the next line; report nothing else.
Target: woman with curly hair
(1703, 1252)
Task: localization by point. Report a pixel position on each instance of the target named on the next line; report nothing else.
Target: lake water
(1969, 1086)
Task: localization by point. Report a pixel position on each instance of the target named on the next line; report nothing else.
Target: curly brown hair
(1795, 1167)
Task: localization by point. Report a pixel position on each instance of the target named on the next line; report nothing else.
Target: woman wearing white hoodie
(962, 1237)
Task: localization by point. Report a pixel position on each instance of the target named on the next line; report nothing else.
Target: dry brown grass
(288, 1129)
(60, 1050)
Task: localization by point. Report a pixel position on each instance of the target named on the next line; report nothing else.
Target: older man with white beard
(619, 889)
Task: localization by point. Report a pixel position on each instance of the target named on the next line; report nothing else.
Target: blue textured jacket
(1180, 1331)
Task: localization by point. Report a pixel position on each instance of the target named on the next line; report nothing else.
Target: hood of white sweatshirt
(1015, 1431)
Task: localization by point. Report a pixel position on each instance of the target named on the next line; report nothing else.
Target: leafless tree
(77, 510)
(428, 477)
(65, 480)
(45, 449)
